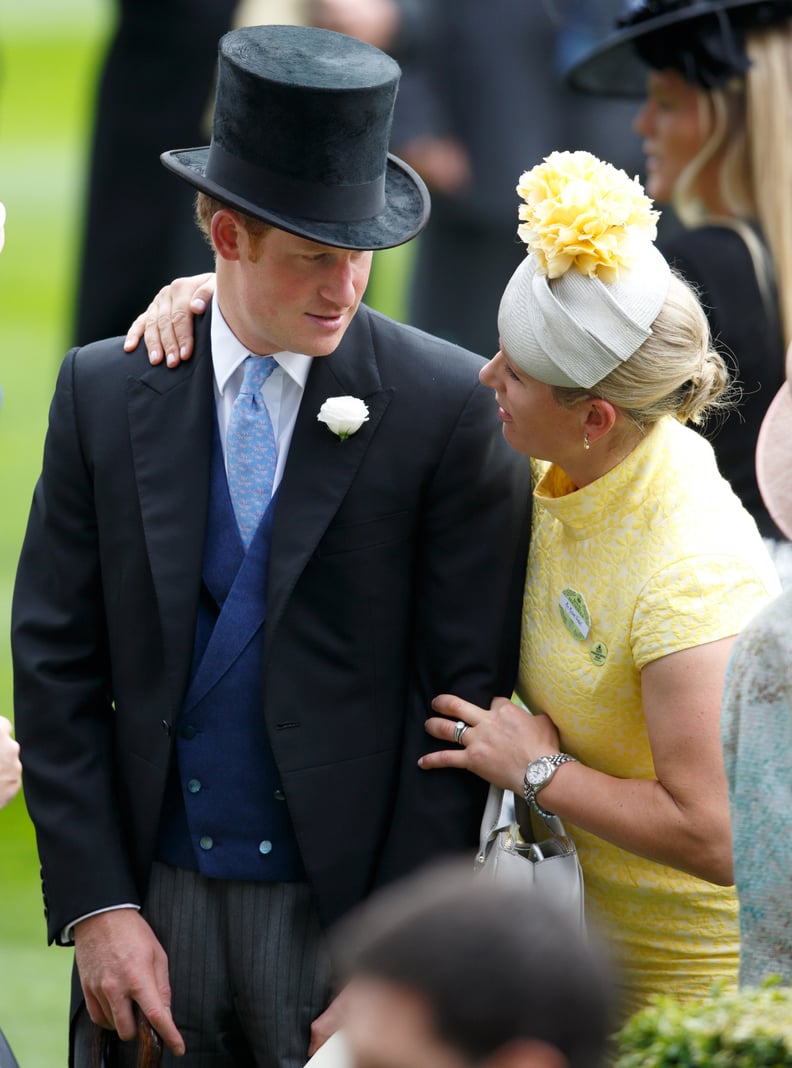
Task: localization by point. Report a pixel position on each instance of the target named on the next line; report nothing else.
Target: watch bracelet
(530, 791)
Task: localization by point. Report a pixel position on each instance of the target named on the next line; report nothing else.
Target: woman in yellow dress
(643, 567)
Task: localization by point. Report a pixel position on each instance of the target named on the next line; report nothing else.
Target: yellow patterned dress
(656, 556)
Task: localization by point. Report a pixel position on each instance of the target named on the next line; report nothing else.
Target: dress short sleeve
(692, 602)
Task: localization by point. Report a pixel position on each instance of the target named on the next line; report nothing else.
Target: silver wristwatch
(538, 774)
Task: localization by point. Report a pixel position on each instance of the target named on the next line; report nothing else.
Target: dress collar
(584, 512)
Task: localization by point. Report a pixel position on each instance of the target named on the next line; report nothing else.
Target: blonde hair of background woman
(751, 122)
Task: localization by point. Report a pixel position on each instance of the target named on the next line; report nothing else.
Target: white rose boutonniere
(343, 415)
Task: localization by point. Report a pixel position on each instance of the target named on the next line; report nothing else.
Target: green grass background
(49, 56)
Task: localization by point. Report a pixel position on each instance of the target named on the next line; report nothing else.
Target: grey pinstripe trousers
(248, 971)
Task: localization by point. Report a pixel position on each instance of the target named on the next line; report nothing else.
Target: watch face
(538, 772)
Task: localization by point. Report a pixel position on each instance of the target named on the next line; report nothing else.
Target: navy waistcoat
(225, 813)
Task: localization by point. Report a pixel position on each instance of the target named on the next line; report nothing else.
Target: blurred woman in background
(717, 131)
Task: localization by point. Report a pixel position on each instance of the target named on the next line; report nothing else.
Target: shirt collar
(228, 354)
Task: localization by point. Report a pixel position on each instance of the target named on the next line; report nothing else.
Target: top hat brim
(404, 215)
(615, 68)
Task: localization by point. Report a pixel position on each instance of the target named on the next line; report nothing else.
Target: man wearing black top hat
(222, 719)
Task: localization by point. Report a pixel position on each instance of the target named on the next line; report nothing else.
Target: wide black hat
(300, 136)
(701, 39)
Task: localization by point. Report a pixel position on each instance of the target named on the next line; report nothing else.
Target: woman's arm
(680, 818)
(166, 325)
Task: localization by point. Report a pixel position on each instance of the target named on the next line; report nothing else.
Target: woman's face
(673, 130)
(534, 423)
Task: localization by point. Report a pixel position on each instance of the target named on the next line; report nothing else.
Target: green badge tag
(599, 653)
(575, 613)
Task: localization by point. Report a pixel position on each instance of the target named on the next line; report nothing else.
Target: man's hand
(374, 21)
(442, 162)
(120, 963)
(166, 325)
(10, 767)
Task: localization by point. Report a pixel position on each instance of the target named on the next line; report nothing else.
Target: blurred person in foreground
(643, 567)
(221, 684)
(757, 735)
(446, 970)
(717, 134)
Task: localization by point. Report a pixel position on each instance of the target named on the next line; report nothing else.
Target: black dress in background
(746, 329)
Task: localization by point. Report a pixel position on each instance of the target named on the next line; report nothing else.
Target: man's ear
(226, 229)
(527, 1053)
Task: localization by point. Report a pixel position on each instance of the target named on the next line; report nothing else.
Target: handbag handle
(491, 819)
(498, 817)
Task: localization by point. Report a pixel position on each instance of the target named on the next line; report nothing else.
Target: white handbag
(550, 863)
(335, 1053)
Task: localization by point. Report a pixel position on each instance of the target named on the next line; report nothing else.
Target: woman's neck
(601, 457)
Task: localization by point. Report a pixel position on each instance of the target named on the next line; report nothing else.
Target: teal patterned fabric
(757, 747)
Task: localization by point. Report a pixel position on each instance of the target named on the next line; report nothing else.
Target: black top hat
(701, 39)
(300, 138)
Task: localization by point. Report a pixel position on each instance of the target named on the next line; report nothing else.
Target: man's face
(287, 293)
(390, 1026)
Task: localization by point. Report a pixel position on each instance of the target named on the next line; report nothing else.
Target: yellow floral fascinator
(586, 295)
(580, 212)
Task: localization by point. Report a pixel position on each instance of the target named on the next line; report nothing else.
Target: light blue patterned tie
(251, 452)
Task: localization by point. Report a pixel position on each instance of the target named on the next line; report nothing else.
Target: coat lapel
(170, 421)
(321, 467)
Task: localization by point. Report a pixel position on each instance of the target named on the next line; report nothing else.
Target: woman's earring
(586, 442)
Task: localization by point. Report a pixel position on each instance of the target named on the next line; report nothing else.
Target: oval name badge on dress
(598, 653)
(575, 613)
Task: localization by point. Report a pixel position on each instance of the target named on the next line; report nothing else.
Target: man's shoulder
(410, 347)
(107, 361)
(106, 357)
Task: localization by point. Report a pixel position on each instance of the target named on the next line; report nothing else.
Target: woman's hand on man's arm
(679, 818)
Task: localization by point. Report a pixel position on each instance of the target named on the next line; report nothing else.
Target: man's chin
(325, 345)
